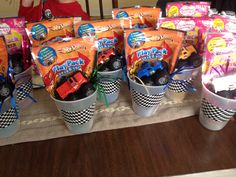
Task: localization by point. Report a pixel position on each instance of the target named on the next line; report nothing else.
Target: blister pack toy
(220, 63)
(152, 53)
(109, 36)
(13, 30)
(147, 16)
(50, 30)
(187, 9)
(65, 66)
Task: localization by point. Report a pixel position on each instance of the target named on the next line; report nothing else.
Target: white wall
(9, 8)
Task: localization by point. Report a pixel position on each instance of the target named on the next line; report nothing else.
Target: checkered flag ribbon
(79, 117)
(23, 90)
(110, 87)
(8, 117)
(180, 85)
(146, 100)
(215, 113)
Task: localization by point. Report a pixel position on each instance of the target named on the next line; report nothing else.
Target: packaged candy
(70, 62)
(187, 9)
(220, 55)
(3, 59)
(109, 36)
(190, 25)
(224, 24)
(147, 16)
(50, 30)
(152, 45)
(13, 30)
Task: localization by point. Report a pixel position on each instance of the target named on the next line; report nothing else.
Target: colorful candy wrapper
(187, 9)
(147, 16)
(3, 59)
(224, 24)
(149, 45)
(13, 30)
(50, 30)
(64, 58)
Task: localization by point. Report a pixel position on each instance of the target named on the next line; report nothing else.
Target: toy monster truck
(74, 88)
(189, 57)
(109, 61)
(155, 73)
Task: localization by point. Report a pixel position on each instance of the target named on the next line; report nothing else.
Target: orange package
(152, 45)
(50, 30)
(64, 58)
(3, 59)
(108, 33)
(147, 15)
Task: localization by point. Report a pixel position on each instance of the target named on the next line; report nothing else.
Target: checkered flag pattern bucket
(110, 87)
(215, 113)
(180, 85)
(8, 117)
(24, 89)
(145, 100)
(79, 117)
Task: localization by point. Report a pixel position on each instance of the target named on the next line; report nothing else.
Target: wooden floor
(171, 148)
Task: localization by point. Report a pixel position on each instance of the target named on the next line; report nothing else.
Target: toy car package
(108, 34)
(219, 56)
(13, 30)
(50, 30)
(58, 60)
(152, 45)
(190, 25)
(187, 9)
(147, 15)
(3, 59)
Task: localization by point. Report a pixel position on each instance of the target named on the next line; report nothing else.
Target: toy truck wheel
(161, 77)
(5, 90)
(195, 60)
(114, 63)
(16, 62)
(146, 81)
(73, 97)
(165, 65)
(103, 67)
(87, 89)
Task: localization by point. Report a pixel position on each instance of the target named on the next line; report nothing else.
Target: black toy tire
(86, 89)
(114, 63)
(161, 77)
(146, 81)
(5, 91)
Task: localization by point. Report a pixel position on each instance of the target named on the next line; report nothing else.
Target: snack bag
(224, 24)
(220, 55)
(190, 25)
(50, 30)
(13, 30)
(108, 33)
(187, 9)
(3, 59)
(152, 45)
(58, 60)
(147, 16)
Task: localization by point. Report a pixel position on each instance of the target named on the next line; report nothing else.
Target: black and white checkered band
(180, 85)
(7, 118)
(24, 89)
(79, 117)
(215, 113)
(110, 87)
(146, 100)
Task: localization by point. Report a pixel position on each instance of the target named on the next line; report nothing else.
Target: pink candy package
(219, 56)
(224, 24)
(13, 30)
(191, 25)
(187, 9)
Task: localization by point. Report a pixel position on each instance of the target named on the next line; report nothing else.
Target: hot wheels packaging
(147, 16)
(13, 30)
(50, 30)
(187, 9)
(68, 64)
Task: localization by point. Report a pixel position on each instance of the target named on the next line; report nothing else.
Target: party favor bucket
(78, 115)
(109, 83)
(215, 111)
(9, 120)
(24, 88)
(145, 99)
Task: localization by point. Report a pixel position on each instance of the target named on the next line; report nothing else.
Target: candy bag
(152, 45)
(59, 60)
(147, 16)
(50, 30)
(187, 9)
(224, 24)
(3, 59)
